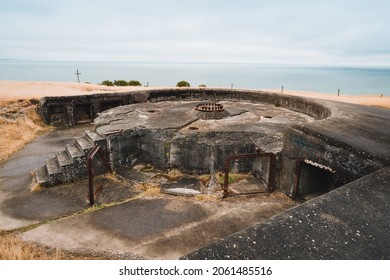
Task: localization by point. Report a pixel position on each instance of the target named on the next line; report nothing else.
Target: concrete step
(63, 158)
(84, 143)
(41, 176)
(94, 137)
(52, 167)
(70, 164)
(74, 151)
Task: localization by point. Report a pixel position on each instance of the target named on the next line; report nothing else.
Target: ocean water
(326, 79)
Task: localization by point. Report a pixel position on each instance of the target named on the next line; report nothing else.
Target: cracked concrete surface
(125, 220)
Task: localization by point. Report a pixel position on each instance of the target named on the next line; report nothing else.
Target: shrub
(108, 83)
(183, 84)
(134, 83)
(202, 86)
(121, 83)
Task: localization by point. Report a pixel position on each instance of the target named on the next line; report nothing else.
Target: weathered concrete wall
(299, 104)
(262, 171)
(347, 165)
(154, 146)
(205, 153)
(66, 110)
(123, 148)
(199, 154)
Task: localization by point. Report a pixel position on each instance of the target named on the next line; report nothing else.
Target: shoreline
(10, 90)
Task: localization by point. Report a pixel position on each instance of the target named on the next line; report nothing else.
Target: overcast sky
(342, 32)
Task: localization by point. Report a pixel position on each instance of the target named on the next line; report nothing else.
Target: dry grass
(36, 188)
(19, 125)
(13, 248)
(148, 188)
(232, 178)
(174, 174)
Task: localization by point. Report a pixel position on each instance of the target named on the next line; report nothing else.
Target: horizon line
(198, 62)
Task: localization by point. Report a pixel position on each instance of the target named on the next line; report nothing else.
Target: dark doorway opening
(312, 180)
(57, 114)
(83, 113)
(57, 110)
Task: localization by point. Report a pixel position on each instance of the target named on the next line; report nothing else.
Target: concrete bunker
(172, 135)
(189, 130)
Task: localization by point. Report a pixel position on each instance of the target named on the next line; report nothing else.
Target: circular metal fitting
(209, 107)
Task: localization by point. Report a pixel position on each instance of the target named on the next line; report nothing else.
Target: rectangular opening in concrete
(260, 180)
(57, 110)
(110, 104)
(57, 114)
(313, 179)
(83, 113)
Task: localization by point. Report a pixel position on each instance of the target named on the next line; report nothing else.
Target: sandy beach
(375, 100)
(27, 90)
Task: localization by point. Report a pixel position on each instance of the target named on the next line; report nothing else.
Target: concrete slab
(184, 183)
(63, 200)
(360, 129)
(247, 185)
(18, 206)
(155, 228)
(245, 116)
(181, 191)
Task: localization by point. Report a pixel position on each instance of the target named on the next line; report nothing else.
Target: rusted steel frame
(90, 157)
(297, 176)
(271, 176)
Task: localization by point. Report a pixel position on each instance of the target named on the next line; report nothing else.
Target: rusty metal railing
(271, 175)
(90, 157)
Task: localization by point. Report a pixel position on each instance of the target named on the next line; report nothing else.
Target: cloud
(280, 31)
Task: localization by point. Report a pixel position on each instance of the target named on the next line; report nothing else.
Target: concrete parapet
(351, 222)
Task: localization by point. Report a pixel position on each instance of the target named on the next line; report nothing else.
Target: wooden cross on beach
(78, 75)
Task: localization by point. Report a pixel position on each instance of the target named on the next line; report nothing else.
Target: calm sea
(350, 80)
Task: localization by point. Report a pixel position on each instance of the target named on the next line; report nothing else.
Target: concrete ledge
(351, 222)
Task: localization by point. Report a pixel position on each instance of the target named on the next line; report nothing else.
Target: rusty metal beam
(297, 177)
(90, 157)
